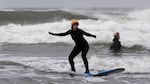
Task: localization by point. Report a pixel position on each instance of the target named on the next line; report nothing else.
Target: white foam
(6, 9)
(93, 79)
(132, 64)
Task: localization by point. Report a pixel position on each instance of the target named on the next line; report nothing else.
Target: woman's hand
(94, 36)
(50, 33)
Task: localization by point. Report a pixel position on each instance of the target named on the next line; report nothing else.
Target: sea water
(29, 55)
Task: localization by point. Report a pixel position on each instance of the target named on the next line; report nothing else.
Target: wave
(131, 34)
(134, 30)
(10, 63)
(36, 17)
(140, 15)
(95, 63)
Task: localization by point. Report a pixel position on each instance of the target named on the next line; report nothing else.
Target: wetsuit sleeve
(88, 34)
(60, 34)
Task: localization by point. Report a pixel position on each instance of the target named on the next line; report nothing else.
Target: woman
(81, 44)
(116, 45)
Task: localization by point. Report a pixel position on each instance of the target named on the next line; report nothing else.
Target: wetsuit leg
(74, 53)
(84, 53)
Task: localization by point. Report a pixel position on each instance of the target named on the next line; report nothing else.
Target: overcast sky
(73, 3)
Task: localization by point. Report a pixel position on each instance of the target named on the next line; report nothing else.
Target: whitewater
(133, 26)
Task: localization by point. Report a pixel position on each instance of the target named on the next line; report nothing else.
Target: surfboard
(100, 73)
(97, 74)
(108, 72)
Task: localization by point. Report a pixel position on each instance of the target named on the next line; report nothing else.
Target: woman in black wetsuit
(81, 44)
(116, 45)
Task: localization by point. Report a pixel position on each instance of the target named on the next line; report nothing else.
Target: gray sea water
(28, 55)
(43, 64)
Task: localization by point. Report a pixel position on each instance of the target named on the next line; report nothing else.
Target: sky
(74, 3)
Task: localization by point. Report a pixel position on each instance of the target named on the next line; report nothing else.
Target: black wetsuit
(116, 46)
(81, 45)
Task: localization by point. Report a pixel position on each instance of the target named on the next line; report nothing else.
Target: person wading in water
(116, 45)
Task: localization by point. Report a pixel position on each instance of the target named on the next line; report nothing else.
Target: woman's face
(75, 26)
(118, 36)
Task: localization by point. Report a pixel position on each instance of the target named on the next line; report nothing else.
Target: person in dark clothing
(81, 44)
(116, 45)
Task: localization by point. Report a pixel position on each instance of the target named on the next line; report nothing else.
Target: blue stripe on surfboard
(107, 72)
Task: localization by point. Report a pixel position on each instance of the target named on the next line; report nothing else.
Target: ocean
(29, 55)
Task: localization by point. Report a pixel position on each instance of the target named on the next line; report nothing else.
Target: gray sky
(73, 3)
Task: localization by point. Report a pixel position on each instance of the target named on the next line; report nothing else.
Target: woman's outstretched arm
(60, 34)
(88, 34)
